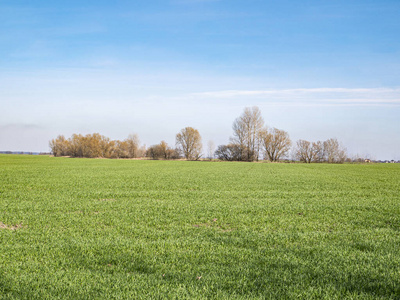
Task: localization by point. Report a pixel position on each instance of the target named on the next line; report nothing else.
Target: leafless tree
(230, 152)
(276, 143)
(160, 151)
(132, 145)
(334, 152)
(210, 149)
(239, 138)
(142, 151)
(59, 146)
(329, 151)
(247, 132)
(303, 151)
(318, 152)
(307, 152)
(74, 145)
(188, 140)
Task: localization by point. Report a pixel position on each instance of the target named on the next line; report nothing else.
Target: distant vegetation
(96, 145)
(251, 141)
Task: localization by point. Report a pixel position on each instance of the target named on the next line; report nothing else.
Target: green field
(133, 229)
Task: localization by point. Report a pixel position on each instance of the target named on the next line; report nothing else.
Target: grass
(129, 229)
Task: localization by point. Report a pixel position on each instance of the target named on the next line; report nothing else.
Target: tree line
(96, 145)
(251, 141)
(188, 145)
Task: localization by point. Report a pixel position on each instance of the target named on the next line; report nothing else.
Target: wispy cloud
(22, 126)
(312, 96)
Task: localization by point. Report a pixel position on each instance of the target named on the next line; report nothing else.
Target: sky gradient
(317, 69)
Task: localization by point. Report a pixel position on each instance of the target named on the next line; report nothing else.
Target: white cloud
(312, 96)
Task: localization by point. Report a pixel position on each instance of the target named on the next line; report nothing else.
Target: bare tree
(93, 143)
(276, 143)
(160, 151)
(318, 152)
(75, 145)
(329, 151)
(188, 140)
(132, 145)
(210, 149)
(59, 146)
(308, 152)
(303, 151)
(230, 152)
(141, 151)
(239, 138)
(334, 152)
(246, 132)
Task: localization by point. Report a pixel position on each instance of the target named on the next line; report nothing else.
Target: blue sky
(317, 69)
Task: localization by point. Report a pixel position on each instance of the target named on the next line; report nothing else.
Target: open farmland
(96, 228)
